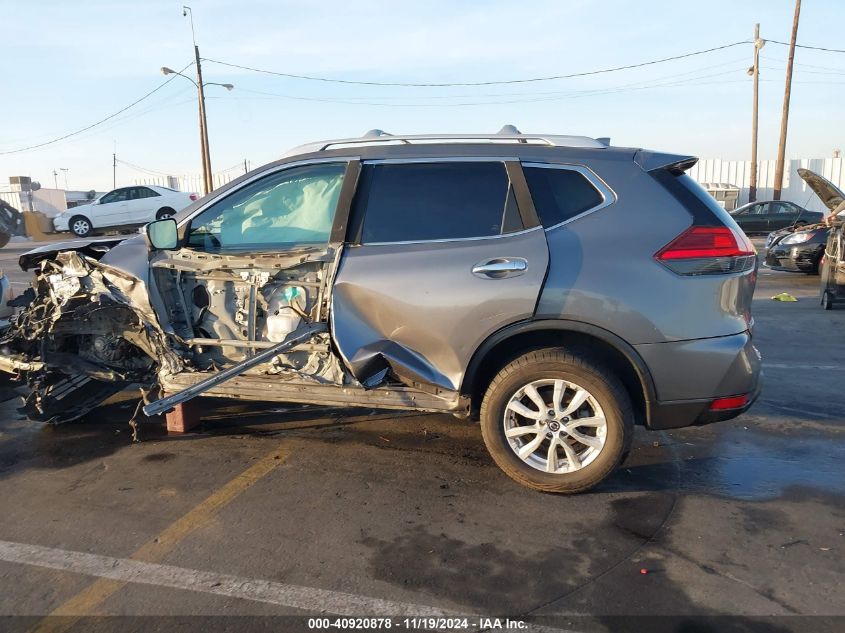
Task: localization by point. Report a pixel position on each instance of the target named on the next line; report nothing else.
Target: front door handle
(500, 267)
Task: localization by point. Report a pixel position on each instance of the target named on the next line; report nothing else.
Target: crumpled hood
(94, 248)
(129, 254)
(830, 194)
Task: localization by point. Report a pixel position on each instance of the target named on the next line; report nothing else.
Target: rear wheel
(827, 300)
(80, 226)
(557, 422)
(166, 212)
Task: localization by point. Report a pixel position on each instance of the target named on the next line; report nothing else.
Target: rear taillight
(731, 402)
(708, 250)
(193, 197)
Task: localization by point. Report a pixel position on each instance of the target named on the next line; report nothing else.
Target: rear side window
(691, 187)
(560, 194)
(146, 192)
(435, 201)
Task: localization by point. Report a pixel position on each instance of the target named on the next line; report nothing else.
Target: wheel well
(159, 212)
(599, 350)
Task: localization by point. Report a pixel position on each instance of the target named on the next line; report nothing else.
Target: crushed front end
(83, 332)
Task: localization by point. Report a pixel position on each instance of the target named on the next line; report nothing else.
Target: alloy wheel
(81, 227)
(555, 425)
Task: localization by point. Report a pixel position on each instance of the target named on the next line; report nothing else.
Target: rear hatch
(713, 246)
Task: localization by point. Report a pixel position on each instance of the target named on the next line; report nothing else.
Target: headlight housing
(798, 238)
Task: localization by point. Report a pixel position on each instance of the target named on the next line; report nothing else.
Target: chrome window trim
(608, 195)
(454, 239)
(264, 174)
(448, 159)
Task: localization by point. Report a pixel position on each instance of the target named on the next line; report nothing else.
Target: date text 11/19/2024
(417, 624)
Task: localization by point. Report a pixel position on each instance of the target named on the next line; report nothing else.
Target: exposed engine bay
(225, 308)
(87, 330)
(107, 316)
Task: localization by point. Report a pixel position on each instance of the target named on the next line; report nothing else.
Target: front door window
(288, 208)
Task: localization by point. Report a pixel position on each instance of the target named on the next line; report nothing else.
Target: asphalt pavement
(269, 512)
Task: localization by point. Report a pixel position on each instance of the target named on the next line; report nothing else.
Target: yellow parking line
(154, 550)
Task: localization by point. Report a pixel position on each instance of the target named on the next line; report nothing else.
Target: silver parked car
(558, 288)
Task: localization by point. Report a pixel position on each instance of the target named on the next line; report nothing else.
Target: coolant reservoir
(282, 318)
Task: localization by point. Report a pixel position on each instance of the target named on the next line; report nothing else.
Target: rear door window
(410, 202)
(560, 193)
(783, 209)
(146, 192)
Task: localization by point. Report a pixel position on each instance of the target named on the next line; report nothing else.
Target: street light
(169, 71)
(208, 183)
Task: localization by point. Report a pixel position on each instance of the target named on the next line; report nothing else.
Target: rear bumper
(678, 414)
(689, 375)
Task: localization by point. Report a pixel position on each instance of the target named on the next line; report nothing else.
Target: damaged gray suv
(559, 289)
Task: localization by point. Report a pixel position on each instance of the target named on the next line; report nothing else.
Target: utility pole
(114, 171)
(246, 169)
(56, 178)
(207, 179)
(754, 71)
(784, 121)
(206, 155)
(208, 185)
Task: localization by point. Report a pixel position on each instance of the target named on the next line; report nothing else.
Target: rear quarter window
(698, 192)
(560, 193)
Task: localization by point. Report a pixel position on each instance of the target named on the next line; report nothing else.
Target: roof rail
(508, 134)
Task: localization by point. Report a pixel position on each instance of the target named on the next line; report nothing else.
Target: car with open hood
(556, 288)
(801, 248)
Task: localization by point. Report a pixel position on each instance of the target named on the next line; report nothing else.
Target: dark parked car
(557, 288)
(797, 249)
(10, 219)
(800, 248)
(764, 217)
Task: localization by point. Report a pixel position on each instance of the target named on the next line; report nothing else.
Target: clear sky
(66, 64)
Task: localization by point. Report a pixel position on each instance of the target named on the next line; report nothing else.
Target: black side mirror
(161, 235)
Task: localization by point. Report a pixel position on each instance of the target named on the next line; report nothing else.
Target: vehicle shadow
(25, 444)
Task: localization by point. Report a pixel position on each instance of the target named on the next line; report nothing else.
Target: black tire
(576, 367)
(827, 300)
(4, 239)
(165, 212)
(80, 226)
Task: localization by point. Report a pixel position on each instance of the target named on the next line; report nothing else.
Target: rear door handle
(500, 267)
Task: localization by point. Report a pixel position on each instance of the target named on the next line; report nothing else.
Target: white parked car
(124, 207)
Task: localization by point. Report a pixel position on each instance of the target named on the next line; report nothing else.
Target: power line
(778, 59)
(476, 83)
(532, 93)
(151, 172)
(813, 48)
(93, 125)
(641, 85)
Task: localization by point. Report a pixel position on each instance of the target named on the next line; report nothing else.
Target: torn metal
(98, 320)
